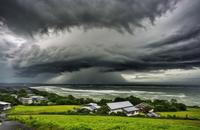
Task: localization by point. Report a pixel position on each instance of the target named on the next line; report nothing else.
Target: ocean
(189, 95)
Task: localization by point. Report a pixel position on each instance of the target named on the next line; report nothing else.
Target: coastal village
(131, 106)
(125, 107)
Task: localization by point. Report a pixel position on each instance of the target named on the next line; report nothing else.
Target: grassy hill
(31, 115)
(77, 122)
(30, 110)
(192, 113)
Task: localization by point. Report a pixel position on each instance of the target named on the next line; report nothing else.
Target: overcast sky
(100, 41)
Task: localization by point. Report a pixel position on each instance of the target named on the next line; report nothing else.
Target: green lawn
(193, 113)
(21, 110)
(77, 122)
(31, 115)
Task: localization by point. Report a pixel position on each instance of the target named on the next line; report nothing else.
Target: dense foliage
(8, 98)
(22, 93)
(164, 105)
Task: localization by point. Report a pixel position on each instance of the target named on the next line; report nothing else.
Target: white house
(26, 100)
(4, 105)
(91, 107)
(32, 99)
(131, 111)
(38, 99)
(124, 106)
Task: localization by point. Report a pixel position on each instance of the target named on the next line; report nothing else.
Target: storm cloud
(176, 51)
(77, 40)
(28, 17)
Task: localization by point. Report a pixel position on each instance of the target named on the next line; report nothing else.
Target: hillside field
(77, 122)
(33, 117)
(30, 110)
(193, 113)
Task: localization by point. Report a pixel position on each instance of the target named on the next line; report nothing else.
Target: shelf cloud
(28, 17)
(63, 40)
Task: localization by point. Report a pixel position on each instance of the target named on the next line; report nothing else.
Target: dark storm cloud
(5, 44)
(4, 47)
(108, 66)
(30, 16)
(172, 52)
(175, 51)
(183, 35)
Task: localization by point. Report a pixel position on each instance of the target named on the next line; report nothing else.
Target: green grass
(77, 122)
(29, 110)
(31, 115)
(192, 113)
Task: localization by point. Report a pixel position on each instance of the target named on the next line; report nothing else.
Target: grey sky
(100, 41)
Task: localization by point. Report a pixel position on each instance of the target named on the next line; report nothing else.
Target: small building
(32, 99)
(38, 99)
(124, 106)
(5, 105)
(144, 107)
(26, 100)
(92, 107)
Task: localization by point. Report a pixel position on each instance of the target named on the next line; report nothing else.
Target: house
(124, 106)
(5, 105)
(38, 99)
(26, 100)
(91, 107)
(32, 99)
(144, 107)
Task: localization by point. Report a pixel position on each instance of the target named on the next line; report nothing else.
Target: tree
(9, 98)
(181, 107)
(22, 93)
(173, 101)
(119, 99)
(104, 101)
(103, 110)
(134, 100)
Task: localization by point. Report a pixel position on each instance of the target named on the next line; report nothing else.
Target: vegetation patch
(78, 122)
(191, 113)
(31, 110)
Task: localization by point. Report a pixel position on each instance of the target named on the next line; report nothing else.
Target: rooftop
(130, 109)
(4, 103)
(118, 105)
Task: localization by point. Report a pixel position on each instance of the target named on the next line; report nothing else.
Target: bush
(83, 111)
(10, 99)
(164, 105)
(103, 110)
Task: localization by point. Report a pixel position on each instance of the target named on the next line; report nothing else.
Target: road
(13, 125)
